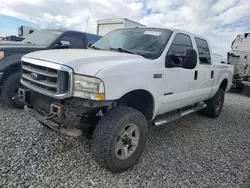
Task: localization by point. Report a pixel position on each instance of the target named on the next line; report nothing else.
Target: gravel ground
(195, 151)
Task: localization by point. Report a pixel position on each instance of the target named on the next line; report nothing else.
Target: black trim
(212, 74)
(157, 75)
(170, 93)
(195, 75)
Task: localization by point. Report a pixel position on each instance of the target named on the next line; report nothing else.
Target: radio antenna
(88, 20)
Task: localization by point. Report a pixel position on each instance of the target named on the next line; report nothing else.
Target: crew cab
(11, 53)
(130, 79)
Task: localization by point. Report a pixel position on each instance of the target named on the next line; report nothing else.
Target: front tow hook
(50, 116)
(17, 97)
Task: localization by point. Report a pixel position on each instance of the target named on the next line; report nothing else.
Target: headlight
(1, 55)
(88, 87)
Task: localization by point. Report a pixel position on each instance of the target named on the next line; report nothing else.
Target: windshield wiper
(28, 42)
(93, 47)
(131, 52)
(124, 50)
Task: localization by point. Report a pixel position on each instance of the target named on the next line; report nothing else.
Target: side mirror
(172, 60)
(190, 59)
(62, 44)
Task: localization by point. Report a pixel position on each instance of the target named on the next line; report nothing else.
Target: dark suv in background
(11, 53)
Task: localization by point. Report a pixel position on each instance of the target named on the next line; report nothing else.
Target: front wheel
(10, 89)
(215, 104)
(119, 138)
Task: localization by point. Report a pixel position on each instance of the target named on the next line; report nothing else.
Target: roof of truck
(62, 30)
(186, 32)
(67, 30)
(53, 30)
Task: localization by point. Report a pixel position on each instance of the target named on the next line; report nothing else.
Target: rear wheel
(10, 89)
(119, 138)
(215, 104)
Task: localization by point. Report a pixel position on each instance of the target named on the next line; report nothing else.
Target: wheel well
(141, 100)
(223, 84)
(10, 70)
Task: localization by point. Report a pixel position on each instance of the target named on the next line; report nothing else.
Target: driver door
(179, 83)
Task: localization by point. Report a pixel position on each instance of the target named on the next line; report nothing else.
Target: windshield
(43, 38)
(142, 41)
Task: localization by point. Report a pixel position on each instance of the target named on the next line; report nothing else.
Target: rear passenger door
(75, 40)
(205, 70)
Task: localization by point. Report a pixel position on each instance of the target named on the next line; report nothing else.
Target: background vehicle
(105, 26)
(11, 53)
(130, 77)
(24, 31)
(240, 58)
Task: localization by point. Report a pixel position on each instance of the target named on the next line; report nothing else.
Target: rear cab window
(203, 51)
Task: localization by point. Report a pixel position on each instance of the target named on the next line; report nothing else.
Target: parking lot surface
(194, 151)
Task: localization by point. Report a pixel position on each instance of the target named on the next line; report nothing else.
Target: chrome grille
(46, 77)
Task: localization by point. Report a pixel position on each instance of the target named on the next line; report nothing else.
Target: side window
(203, 50)
(178, 47)
(180, 43)
(75, 40)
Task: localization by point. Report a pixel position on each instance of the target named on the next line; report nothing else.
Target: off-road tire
(105, 135)
(8, 90)
(213, 110)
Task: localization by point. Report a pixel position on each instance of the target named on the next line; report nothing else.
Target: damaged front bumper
(68, 116)
(55, 125)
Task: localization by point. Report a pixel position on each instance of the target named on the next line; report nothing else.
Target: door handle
(195, 75)
(212, 74)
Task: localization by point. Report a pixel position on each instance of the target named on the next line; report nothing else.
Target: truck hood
(10, 46)
(85, 61)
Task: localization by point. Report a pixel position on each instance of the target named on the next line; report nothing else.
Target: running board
(168, 118)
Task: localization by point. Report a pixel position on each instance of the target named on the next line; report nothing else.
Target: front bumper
(68, 116)
(68, 131)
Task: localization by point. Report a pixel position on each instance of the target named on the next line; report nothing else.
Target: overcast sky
(218, 20)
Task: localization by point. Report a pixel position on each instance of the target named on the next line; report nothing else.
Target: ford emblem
(34, 76)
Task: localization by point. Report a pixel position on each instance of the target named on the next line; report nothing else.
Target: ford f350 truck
(130, 79)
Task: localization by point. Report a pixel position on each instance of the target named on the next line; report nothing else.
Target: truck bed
(221, 70)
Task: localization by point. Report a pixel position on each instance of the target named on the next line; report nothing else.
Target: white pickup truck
(128, 80)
